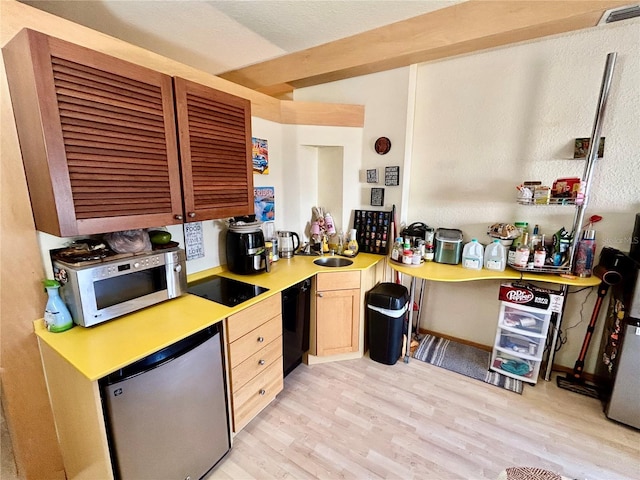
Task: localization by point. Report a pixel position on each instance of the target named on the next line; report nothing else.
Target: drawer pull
(260, 339)
(262, 391)
(320, 294)
(261, 362)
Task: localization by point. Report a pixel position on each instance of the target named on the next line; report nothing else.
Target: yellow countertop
(102, 349)
(441, 272)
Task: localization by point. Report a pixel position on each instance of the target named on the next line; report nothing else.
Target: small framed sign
(372, 176)
(392, 176)
(377, 197)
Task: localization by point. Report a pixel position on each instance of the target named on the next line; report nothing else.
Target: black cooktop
(225, 291)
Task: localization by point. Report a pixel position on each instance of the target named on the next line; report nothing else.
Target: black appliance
(296, 302)
(225, 291)
(246, 253)
(167, 413)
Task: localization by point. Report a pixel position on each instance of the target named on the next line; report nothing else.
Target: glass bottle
(396, 251)
(522, 252)
(57, 317)
(540, 254)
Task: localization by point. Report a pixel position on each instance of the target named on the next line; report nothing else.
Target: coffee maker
(246, 253)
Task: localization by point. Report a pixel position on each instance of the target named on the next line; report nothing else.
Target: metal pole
(412, 296)
(592, 155)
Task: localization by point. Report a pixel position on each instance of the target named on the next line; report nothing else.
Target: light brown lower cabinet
(337, 313)
(254, 346)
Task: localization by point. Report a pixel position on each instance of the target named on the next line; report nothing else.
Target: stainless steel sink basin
(333, 262)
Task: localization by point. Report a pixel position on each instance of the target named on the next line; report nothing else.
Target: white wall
(306, 147)
(485, 122)
(384, 96)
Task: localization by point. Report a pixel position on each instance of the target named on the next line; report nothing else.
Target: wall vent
(619, 14)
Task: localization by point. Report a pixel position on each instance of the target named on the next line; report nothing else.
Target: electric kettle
(288, 243)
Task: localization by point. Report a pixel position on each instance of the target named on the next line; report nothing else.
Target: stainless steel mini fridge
(167, 414)
(624, 403)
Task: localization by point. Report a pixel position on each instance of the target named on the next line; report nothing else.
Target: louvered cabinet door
(97, 136)
(215, 151)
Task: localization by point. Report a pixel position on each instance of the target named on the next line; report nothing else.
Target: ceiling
(218, 36)
(275, 46)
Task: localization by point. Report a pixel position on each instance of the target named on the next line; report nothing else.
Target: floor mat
(464, 359)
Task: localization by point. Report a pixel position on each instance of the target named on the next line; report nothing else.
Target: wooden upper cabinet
(215, 151)
(97, 136)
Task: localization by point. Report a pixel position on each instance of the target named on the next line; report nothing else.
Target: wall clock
(383, 145)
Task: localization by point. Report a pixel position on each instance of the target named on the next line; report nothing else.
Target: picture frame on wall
(260, 156)
(392, 176)
(377, 197)
(372, 175)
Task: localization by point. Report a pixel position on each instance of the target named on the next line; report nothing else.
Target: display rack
(373, 231)
(592, 156)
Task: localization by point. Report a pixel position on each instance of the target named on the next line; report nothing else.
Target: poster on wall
(372, 175)
(260, 154)
(264, 203)
(377, 197)
(392, 176)
(193, 240)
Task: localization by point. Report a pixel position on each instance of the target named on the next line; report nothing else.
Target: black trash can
(386, 313)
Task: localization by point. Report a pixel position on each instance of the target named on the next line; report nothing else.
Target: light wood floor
(360, 419)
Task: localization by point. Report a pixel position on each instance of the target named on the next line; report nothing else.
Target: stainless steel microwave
(99, 292)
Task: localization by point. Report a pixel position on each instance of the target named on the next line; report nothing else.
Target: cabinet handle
(178, 217)
(261, 362)
(262, 391)
(192, 214)
(260, 339)
(321, 294)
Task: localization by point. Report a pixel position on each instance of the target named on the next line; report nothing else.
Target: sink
(333, 262)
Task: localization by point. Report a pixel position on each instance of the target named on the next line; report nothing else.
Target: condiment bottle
(522, 252)
(396, 251)
(539, 254)
(429, 250)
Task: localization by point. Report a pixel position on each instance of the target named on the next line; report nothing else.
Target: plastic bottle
(473, 255)
(495, 256)
(352, 246)
(429, 250)
(535, 238)
(585, 254)
(57, 317)
(328, 224)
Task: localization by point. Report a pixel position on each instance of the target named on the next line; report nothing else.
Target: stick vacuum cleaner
(609, 271)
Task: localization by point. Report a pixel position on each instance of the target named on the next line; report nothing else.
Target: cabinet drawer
(523, 346)
(256, 394)
(255, 364)
(255, 340)
(243, 322)
(337, 281)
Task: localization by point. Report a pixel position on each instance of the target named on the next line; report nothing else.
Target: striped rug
(464, 359)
